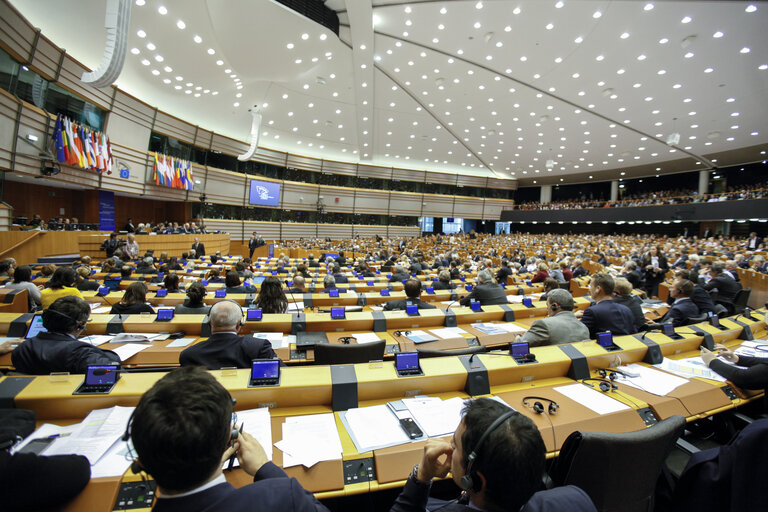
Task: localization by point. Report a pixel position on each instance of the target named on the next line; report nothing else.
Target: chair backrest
(349, 354)
(695, 319)
(425, 352)
(569, 498)
(741, 299)
(618, 471)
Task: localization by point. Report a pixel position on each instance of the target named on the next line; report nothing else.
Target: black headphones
(468, 480)
(554, 307)
(538, 407)
(242, 318)
(604, 385)
(78, 325)
(611, 374)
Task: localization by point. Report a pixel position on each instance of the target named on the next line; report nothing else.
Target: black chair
(618, 471)
(565, 286)
(568, 498)
(695, 319)
(426, 352)
(349, 354)
(740, 302)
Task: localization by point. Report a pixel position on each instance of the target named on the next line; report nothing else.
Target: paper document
(130, 337)
(115, 462)
(488, 328)
(296, 307)
(129, 350)
(97, 339)
(101, 310)
(276, 339)
(374, 427)
(420, 337)
(435, 416)
(181, 342)
(94, 435)
(515, 299)
(591, 398)
(747, 348)
(257, 423)
(45, 430)
(365, 337)
(512, 328)
(448, 332)
(652, 380)
(308, 440)
(690, 367)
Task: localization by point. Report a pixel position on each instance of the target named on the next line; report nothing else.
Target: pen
(232, 458)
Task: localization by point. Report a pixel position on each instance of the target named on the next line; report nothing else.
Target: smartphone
(411, 428)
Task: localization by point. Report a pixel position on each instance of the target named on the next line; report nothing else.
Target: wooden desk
(174, 245)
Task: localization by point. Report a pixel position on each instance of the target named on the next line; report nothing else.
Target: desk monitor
(669, 330)
(369, 282)
(103, 291)
(462, 278)
(161, 274)
(289, 284)
(407, 364)
(528, 302)
(274, 272)
(338, 313)
(112, 283)
(220, 294)
(333, 292)
(714, 321)
(264, 372)
(605, 340)
(430, 290)
(35, 326)
(253, 315)
(521, 353)
(412, 309)
(475, 306)
(164, 314)
(529, 282)
(161, 293)
(469, 287)
(99, 380)
(385, 292)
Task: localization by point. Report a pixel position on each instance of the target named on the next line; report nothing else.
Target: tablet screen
(406, 360)
(253, 315)
(165, 314)
(519, 349)
(101, 375)
(35, 327)
(265, 369)
(337, 313)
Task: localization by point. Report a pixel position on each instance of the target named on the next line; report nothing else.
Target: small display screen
(253, 315)
(714, 320)
(265, 369)
(369, 283)
(605, 339)
(668, 329)
(469, 287)
(333, 292)
(407, 361)
(519, 349)
(162, 293)
(385, 292)
(529, 282)
(474, 305)
(103, 290)
(35, 327)
(412, 309)
(337, 313)
(220, 294)
(204, 282)
(101, 375)
(527, 302)
(430, 290)
(112, 284)
(165, 314)
(161, 274)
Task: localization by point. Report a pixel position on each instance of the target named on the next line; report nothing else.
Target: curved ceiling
(545, 90)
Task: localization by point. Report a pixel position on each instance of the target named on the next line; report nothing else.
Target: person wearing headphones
(496, 456)
(58, 350)
(560, 325)
(183, 429)
(224, 348)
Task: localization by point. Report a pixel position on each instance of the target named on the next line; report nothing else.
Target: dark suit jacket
(400, 304)
(340, 278)
(727, 288)
(633, 303)
(399, 277)
(313, 263)
(88, 285)
(501, 275)
(271, 490)
(680, 312)
(608, 315)
(54, 352)
(487, 294)
(635, 278)
(702, 300)
(440, 285)
(225, 349)
(199, 249)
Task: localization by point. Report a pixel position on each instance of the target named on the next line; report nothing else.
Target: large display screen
(264, 193)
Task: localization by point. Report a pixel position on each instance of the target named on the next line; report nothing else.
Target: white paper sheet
(101, 310)
(296, 306)
(129, 350)
(597, 401)
(130, 337)
(276, 339)
(512, 328)
(374, 426)
(652, 380)
(420, 337)
(377, 308)
(690, 367)
(45, 430)
(308, 440)
(435, 416)
(365, 337)
(747, 348)
(257, 423)
(97, 339)
(515, 299)
(115, 462)
(181, 342)
(94, 435)
(448, 332)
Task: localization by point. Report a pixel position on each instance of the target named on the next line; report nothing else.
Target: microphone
(454, 302)
(103, 296)
(293, 299)
(746, 314)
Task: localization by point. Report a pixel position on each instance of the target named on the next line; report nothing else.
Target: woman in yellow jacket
(62, 283)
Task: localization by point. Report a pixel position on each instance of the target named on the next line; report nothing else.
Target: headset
(79, 326)
(604, 384)
(538, 407)
(242, 317)
(468, 480)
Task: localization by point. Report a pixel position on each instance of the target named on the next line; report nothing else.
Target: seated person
(329, 283)
(700, 297)
(550, 284)
(542, 274)
(727, 288)
(233, 285)
(753, 376)
(362, 268)
(504, 272)
(133, 301)
(632, 274)
(213, 276)
(224, 348)
(83, 283)
(194, 304)
(487, 292)
(443, 281)
(126, 271)
(58, 349)
(399, 274)
(298, 284)
(62, 284)
(146, 266)
(301, 269)
(173, 264)
(22, 280)
(606, 314)
(578, 269)
(186, 463)
(622, 294)
(413, 292)
(683, 308)
(157, 279)
(567, 274)
(171, 283)
(560, 326)
(271, 298)
(338, 276)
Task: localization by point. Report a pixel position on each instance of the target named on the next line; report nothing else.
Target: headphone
(554, 307)
(611, 374)
(538, 407)
(242, 319)
(468, 480)
(78, 325)
(604, 385)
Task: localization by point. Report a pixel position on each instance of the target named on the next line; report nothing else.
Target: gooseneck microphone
(290, 291)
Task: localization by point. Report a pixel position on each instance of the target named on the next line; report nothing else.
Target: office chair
(740, 302)
(569, 498)
(349, 354)
(618, 471)
(425, 352)
(695, 319)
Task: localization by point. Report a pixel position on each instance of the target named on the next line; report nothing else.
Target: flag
(81, 161)
(177, 173)
(65, 140)
(60, 156)
(190, 178)
(73, 158)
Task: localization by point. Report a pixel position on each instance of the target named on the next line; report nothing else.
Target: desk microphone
(454, 302)
(747, 314)
(291, 293)
(119, 315)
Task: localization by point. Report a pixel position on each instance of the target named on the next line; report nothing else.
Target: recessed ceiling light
(141, 33)
(479, 5)
(135, 51)
(648, 6)
(549, 26)
(181, 25)
(661, 72)
(744, 50)
(168, 69)
(688, 55)
(198, 39)
(620, 71)
(162, 10)
(708, 70)
(211, 51)
(177, 87)
(624, 35)
(762, 67)
(686, 19)
(599, 57)
(140, 2)
(663, 40)
(751, 8)
(155, 72)
(166, 81)
(597, 14)
(323, 37)
(151, 47)
(641, 57)
(145, 62)
(159, 58)
(717, 34)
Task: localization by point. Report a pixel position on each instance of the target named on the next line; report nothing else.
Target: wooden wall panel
(494, 207)
(174, 127)
(502, 184)
(334, 231)
(371, 202)
(347, 169)
(30, 198)
(41, 243)
(408, 175)
(303, 162)
(468, 207)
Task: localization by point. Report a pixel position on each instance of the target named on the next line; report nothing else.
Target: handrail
(35, 234)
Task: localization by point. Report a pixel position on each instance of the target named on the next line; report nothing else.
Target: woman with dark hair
(133, 301)
(173, 263)
(655, 267)
(83, 283)
(233, 285)
(550, 284)
(194, 304)
(271, 298)
(301, 269)
(213, 276)
(171, 283)
(22, 280)
(61, 284)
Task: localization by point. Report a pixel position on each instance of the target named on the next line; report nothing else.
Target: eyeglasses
(347, 339)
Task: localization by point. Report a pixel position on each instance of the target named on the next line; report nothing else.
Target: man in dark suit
(129, 227)
(753, 242)
(186, 462)
(727, 288)
(487, 292)
(329, 283)
(311, 261)
(198, 247)
(633, 275)
(683, 308)
(413, 292)
(443, 282)
(337, 275)
(146, 266)
(622, 294)
(341, 260)
(700, 296)
(504, 272)
(225, 348)
(759, 264)
(399, 275)
(58, 349)
(606, 314)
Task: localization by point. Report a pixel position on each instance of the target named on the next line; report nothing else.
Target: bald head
(225, 316)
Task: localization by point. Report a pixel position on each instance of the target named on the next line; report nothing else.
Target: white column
(546, 194)
(614, 190)
(703, 182)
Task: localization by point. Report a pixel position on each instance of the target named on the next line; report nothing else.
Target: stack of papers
(436, 417)
(276, 339)
(374, 427)
(420, 337)
(652, 380)
(129, 350)
(690, 367)
(257, 423)
(448, 332)
(308, 440)
(101, 310)
(97, 339)
(296, 307)
(511, 328)
(749, 348)
(365, 337)
(489, 328)
(181, 342)
(597, 401)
